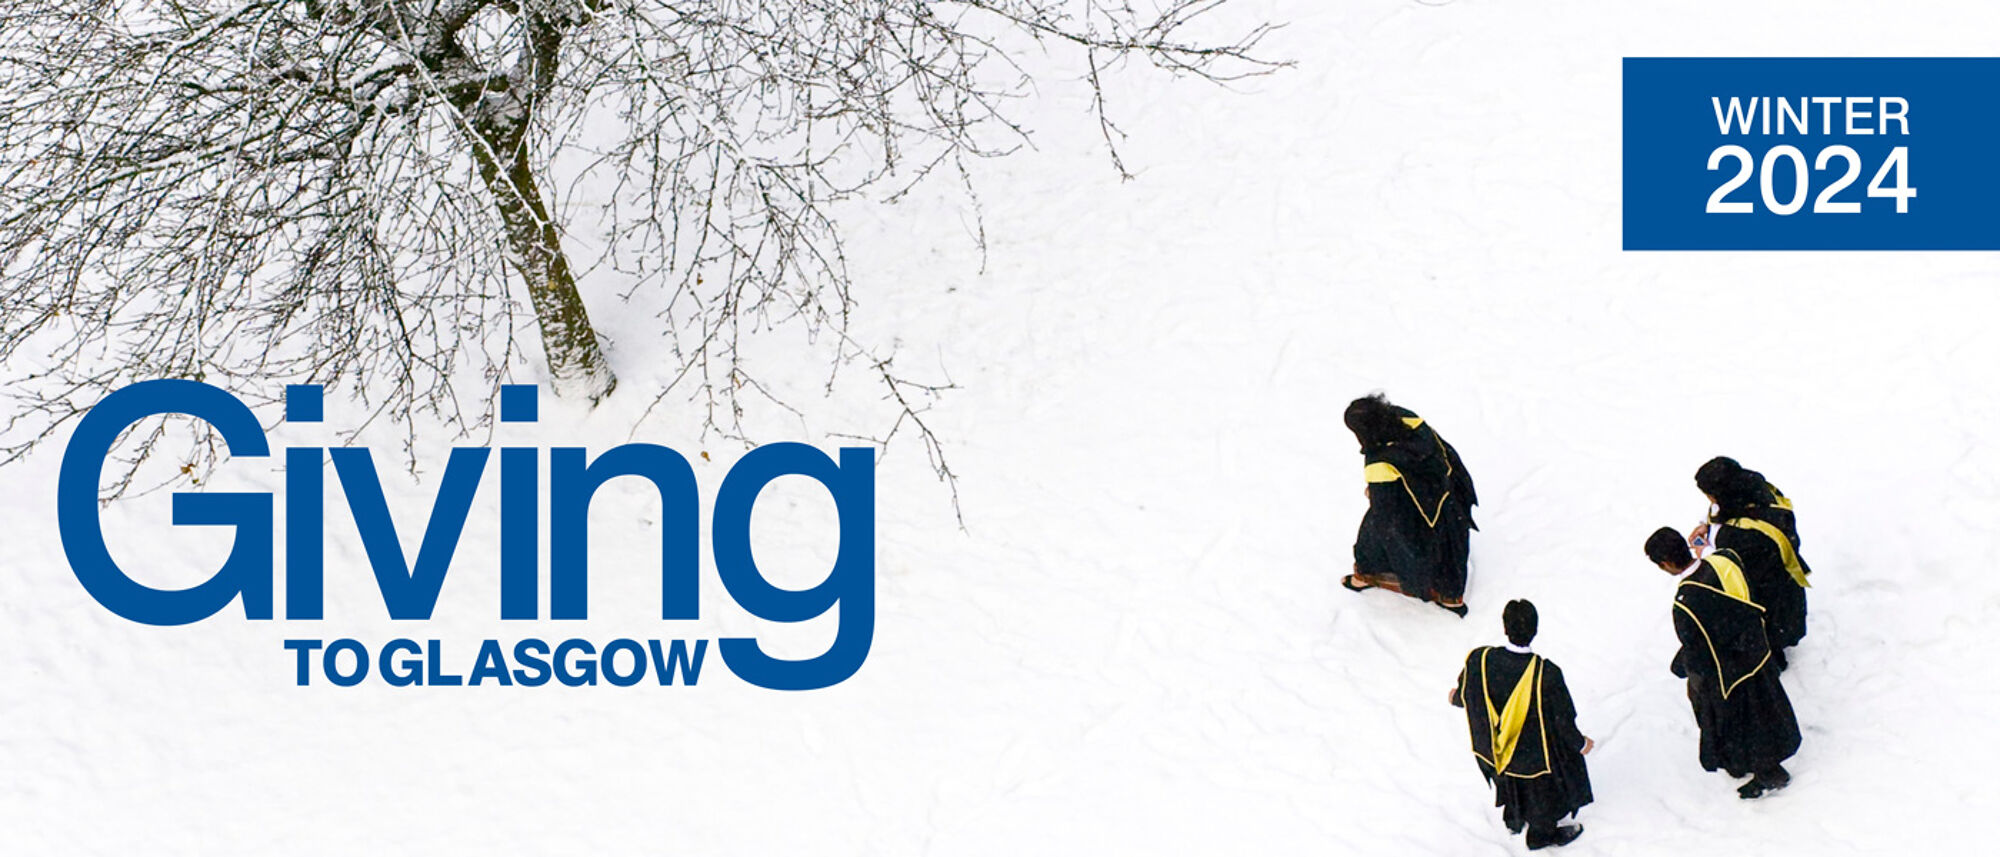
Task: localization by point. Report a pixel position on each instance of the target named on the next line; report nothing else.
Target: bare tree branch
(357, 193)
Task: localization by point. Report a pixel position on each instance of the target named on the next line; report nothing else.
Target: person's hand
(1588, 745)
(1699, 535)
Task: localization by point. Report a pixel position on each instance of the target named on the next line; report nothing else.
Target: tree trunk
(576, 364)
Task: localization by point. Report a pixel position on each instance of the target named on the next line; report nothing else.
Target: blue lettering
(440, 678)
(532, 655)
(411, 587)
(305, 511)
(305, 648)
(849, 587)
(608, 662)
(679, 661)
(564, 665)
(571, 485)
(491, 665)
(404, 672)
(410, 592)
(332, 662)
(247, 571)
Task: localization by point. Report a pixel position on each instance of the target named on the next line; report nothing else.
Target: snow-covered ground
(1138, 645)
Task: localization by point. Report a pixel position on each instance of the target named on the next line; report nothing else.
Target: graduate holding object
(1746, 720)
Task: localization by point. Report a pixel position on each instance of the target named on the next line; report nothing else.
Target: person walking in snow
(1752, 517)
(1524, 733)
(1746, 720)
(1415, 537)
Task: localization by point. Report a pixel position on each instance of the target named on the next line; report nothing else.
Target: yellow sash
(1785, 549)
(1505, 724)
(1382, 471)
(1733, 583)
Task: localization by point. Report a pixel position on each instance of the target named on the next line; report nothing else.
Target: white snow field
(1138, 644)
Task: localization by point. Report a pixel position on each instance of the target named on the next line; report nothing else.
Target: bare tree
(341, 191)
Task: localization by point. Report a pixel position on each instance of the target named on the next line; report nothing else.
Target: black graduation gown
(1771, 585)
(1417, 529)
(1546, 779)
(1746, 720)
(1461, 478)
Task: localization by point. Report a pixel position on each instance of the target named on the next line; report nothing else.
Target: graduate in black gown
(1415, 538)
(1524, 732)
(1752, 517)
(1746, 720)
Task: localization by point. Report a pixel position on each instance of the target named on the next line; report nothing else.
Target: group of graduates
(1739, 604)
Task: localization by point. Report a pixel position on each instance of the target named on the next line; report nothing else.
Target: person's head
(1717, 475)
(1669, 550)
(1374, 421)
(1731, 485)
(1520, 621)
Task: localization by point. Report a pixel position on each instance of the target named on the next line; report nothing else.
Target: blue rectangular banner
(1811, 154)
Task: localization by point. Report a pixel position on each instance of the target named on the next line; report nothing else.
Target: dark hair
(1666, 545)
(1733, 486)
(1520, 621)
(1374, 421)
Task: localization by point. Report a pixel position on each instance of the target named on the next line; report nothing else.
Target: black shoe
(1562, 836)
(1458, 608)
(1765, 783)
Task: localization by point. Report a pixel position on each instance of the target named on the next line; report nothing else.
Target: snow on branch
(358, 193)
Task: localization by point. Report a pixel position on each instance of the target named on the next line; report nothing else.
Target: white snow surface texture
(1138, 644)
